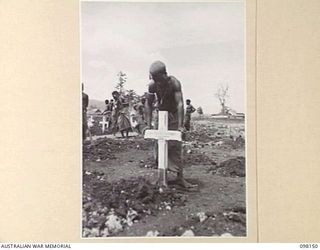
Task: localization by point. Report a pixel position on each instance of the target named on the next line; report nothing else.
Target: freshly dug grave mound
(239, 142)
(198, 136)
(100, 152)
(106, 148)
(231, 222)
(197, 158)
(194, 155)
(189, 159)
(110, 207)
(201, 134)
(235, 167)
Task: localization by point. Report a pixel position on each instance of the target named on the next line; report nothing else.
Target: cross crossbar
(163, 135)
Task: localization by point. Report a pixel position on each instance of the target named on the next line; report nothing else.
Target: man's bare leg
(179, 170)
(182, 182)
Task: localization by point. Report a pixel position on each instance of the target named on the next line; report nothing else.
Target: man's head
(111, 101)
(188, 101)
(158, 72)
(115, 95)
(106, 101)
(143, 100)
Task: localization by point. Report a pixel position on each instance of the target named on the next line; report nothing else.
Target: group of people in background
(118, 116)
(120, 119)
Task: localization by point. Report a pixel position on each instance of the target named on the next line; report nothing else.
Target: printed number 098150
(313, 246)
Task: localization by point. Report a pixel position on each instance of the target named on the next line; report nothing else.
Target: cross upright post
(163, 135)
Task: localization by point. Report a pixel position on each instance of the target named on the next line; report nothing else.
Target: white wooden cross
(163, 135)
(90, 122)
(104, 123)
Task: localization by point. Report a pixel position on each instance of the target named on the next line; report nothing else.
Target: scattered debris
(118, 205)
(132, 215)
(231, 221)
(150, 162)
(94, 232)
(188, 233)
(105, 232)
(152, 233)
(226, 235)
(202, 216)
(113, 223)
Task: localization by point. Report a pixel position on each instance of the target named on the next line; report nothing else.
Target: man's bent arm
(148, 108)
(180, 109)
(179, 100)
(193, 109)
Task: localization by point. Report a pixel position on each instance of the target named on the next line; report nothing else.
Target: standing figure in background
(107, 112)
(120, 120)
(189, 110)
(139, 116)
(141, 108)
(111, 105)
(85, 103)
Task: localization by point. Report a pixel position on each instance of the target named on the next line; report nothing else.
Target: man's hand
(143, 130)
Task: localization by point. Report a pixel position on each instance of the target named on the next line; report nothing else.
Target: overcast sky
(202, 45)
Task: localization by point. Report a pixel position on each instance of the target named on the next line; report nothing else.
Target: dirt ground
(120, 197)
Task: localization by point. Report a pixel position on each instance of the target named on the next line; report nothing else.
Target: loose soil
(121, 197)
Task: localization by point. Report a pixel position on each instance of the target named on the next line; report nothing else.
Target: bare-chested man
(107, 112)
(189, 110)
(165, 94)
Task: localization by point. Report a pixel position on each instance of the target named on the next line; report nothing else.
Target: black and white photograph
(163, 119)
